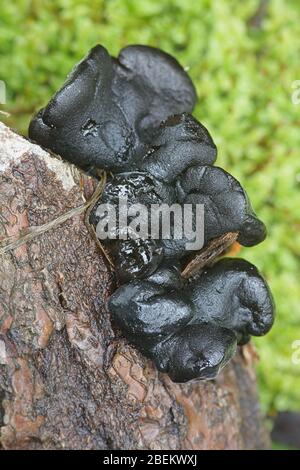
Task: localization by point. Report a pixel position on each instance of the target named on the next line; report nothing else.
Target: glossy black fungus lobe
(131, 116)
(226, 209)
(108, 110)
(191, 329)
(227, 206)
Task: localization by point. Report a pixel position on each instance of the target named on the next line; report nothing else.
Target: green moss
(243, 77)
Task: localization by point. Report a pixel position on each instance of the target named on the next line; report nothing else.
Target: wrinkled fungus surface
(131, 116)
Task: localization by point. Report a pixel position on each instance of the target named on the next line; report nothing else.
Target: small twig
(208, 254)
(91, 228)
(39, 230)
(4, 113)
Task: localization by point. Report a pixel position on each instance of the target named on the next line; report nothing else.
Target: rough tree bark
(68, 378)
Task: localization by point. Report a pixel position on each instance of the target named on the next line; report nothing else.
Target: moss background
(243, 58)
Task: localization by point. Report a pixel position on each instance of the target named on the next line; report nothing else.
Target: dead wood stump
(67, 379)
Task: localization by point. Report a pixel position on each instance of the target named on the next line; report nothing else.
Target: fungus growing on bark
(131, 116)
(190, 329)
(109, 108)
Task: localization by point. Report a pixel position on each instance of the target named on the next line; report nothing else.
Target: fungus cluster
(131, 117)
